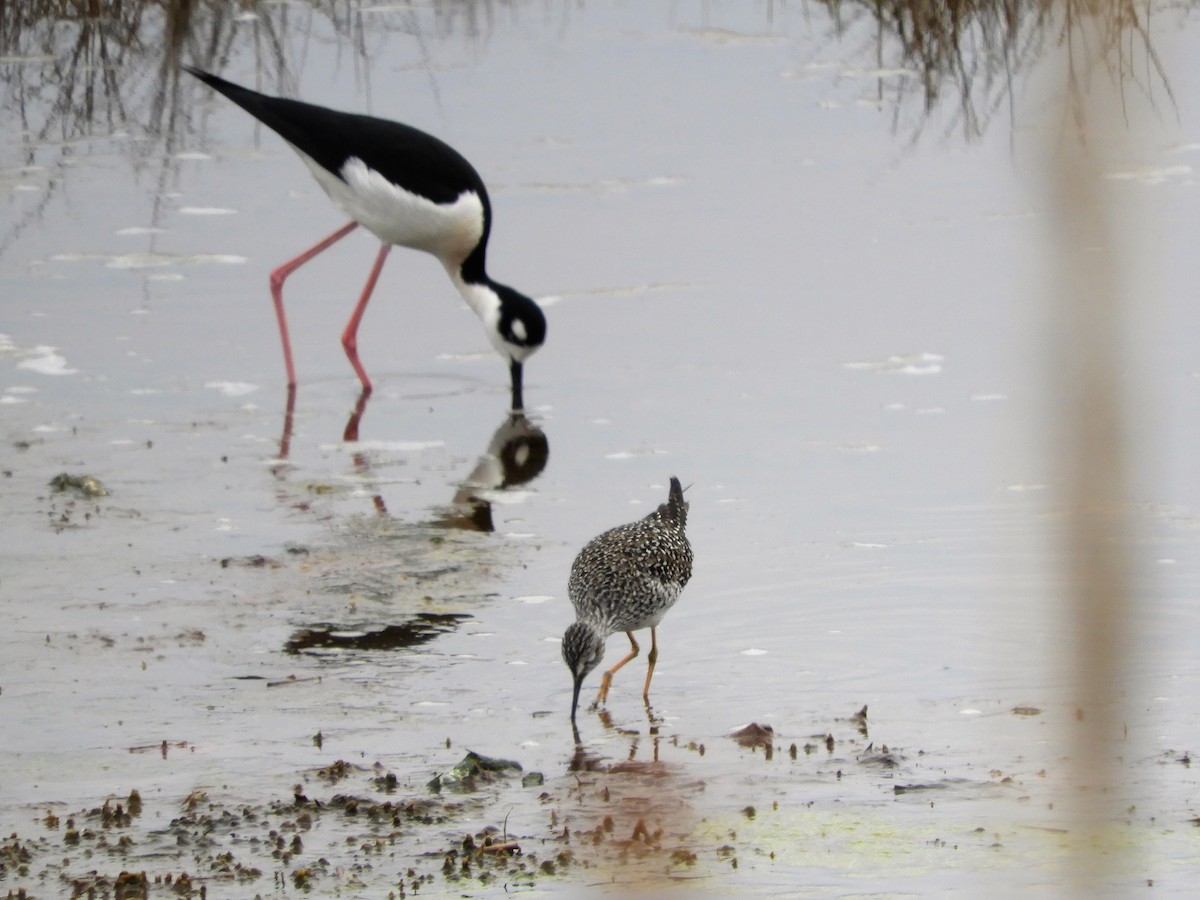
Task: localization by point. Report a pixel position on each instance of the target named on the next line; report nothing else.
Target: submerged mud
(832, 809)
(633, 821)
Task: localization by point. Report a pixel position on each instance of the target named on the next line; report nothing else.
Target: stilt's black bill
(518, 399)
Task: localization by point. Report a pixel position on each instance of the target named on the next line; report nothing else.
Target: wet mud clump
(85, 485)
(471, 771)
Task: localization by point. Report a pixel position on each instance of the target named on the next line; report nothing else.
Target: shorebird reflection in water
(625, 580)
(408, 189)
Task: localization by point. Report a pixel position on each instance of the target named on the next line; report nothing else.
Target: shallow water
(759, 282)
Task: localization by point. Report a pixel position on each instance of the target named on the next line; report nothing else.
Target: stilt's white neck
(485, 303)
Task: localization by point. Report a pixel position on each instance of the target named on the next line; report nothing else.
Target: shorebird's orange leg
(606, 680)
(652, 659)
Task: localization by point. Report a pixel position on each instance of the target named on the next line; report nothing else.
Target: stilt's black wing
(405, 156)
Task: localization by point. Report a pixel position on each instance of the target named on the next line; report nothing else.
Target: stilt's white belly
(449, 231)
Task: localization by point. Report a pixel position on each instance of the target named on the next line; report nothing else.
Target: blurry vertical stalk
(1091, 428)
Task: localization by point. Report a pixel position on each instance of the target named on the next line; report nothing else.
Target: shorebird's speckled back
(628, 577)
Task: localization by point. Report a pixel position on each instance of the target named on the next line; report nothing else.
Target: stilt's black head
(517, 331)
(522, 324)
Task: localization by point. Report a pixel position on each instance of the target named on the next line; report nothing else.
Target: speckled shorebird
(625, 580)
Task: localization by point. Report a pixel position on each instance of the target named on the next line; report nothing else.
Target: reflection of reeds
(82, 69)
(89, 65)
(103, 58)
(86, 47)
(74, 69)
(974, 49)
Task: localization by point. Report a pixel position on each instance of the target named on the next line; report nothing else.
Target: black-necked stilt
(625, 580)
(406, 187)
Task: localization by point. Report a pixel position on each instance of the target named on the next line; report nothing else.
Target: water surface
(819, 306)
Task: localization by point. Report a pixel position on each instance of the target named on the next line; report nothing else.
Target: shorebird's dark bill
(575, 699)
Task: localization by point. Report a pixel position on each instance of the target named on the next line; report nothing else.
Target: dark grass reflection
(973, 56)
(78, 67)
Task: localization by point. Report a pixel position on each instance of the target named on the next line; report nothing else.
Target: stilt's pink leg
(350, 434)
(289, 413)
(277, 279)
(350, 335)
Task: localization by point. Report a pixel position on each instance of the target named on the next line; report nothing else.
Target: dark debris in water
(420, 628)
(163, 749)
(882, 758)
(919, 788)
(860, 721)
(754, 735)
(335, 771)
(254, 561)
(1182, 757)
(945, 784)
